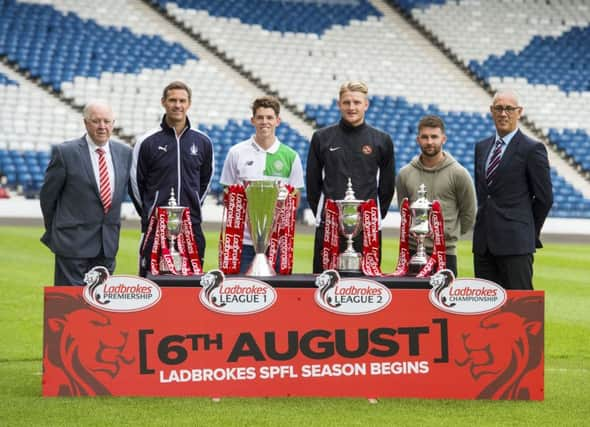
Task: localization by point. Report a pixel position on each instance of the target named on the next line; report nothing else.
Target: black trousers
(510, 271)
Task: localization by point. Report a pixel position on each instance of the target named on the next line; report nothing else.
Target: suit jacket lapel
(87, 162)
(117, 168)
(485, 152)
(508, 155)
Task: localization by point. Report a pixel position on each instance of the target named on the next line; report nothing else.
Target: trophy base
(260, 267)
(416, 266)
(349, 263)
(177, 264)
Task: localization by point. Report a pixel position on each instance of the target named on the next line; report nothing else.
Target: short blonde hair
(354, 86)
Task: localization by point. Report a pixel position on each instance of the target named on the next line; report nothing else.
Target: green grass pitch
(26, 266)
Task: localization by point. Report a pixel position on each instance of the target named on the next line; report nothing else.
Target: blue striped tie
(494, 162)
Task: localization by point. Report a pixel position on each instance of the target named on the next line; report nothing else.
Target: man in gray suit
(85, 184)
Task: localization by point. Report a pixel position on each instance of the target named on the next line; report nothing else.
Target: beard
(431, 151)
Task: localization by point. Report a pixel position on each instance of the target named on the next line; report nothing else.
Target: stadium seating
(283, 16)
(31, 121)
(300, 49)
(541, 49)
(404, 87)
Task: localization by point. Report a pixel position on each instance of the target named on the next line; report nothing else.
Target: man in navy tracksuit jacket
(175, 156)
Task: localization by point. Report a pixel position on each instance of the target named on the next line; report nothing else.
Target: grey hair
(509, 92)
(92, 104)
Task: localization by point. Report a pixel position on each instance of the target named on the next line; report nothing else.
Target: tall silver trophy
(261, 195)
(173, 229)
(420, 229)
(349, 261)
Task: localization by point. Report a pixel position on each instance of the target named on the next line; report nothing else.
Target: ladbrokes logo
(235, 296)
(119, 293)
(465, 296)
(350, 296)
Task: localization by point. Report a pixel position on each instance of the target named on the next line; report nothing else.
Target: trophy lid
(421, 203)
(349, 197)
(172, 199)
(172, 206)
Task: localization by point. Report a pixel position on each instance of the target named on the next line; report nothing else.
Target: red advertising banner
(132, 339)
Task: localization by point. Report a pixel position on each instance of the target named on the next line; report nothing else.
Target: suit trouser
(319, 243)
(71, 271)
(509, 271)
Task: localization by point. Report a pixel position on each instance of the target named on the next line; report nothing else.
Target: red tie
(105, 185)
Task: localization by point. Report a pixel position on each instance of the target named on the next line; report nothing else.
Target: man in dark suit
(85, 184)
(514, 196)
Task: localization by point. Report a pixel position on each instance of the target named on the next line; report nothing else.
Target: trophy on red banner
(420, 229)
(173, 229)
(349, 261)
(262, 197)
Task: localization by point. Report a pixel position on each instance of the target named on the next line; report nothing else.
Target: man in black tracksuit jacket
(175, 156)
(349, 149)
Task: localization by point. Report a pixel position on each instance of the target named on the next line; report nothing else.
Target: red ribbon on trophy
(330, 250)
(370, 228)
(283, 232)
(403, 260)
(439, 256)
(189, 254)
(232, 235)
(370, 224)
(370, 254)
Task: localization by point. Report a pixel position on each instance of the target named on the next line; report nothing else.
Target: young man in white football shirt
(261, 156)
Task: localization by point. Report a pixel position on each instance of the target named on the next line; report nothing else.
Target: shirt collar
(271, 150)
(164, 125)
(350, 128)
(506, 138)
(93, 146)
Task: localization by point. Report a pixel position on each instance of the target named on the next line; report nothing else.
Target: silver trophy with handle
(173, 229)
(420, 229)
(349, 261)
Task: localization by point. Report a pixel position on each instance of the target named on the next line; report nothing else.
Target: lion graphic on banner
(326, 281)
(440, 281)
(80, 346)
(96, 277)
(211, 281)
(506, 347)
